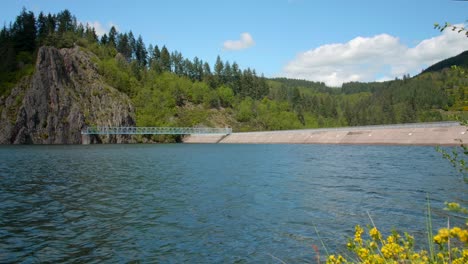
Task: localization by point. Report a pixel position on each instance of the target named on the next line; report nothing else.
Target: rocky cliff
(64, 95)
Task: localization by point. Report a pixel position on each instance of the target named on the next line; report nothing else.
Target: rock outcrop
(64, 95)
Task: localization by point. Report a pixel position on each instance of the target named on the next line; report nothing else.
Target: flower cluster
(445, 234)
(399, 249)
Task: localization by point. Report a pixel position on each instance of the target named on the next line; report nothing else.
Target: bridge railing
(103, 130)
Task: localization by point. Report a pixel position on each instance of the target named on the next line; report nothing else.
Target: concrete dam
(436, 134)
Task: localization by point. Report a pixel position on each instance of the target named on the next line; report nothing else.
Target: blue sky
(331, 41)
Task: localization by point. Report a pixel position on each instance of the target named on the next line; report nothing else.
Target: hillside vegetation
(167, 89)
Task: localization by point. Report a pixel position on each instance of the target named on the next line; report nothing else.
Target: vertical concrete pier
(85, 139)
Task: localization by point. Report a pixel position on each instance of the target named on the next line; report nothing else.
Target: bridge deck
(154, 131)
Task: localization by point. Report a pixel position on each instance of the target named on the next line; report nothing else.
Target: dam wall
(204, 138)
(443, 133)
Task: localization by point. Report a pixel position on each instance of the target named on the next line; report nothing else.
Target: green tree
(245, 111)
(156, 60)
(113, 37)
(165, 60)
(66, 22)
(90, 34)
(218, 67)
(197, 69)
(218, 72)
(132, 43)
(226, 96)
(104, 39)
(178, 63)
(123, 46)
(140, 52)
(24, 32)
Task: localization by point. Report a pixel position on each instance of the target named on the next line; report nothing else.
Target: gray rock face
(64, 95)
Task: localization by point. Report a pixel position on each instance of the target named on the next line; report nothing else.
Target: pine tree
(104, 39)
(66, 22)
(113, 37)
(236, 78)
(227, 74)
(178, 63)
(123, 46)
(132, 43)
(165, 59)
(7, 52)
(218, 72)
(218, 67)
(90, 34)
(189, 69)
(156, 60)
(42, 30)
(197, 69)
(24, 32)
(140, 52)
(149, 56)
(206, 69)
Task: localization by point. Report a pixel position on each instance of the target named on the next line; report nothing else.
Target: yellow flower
(375, 234)
(391, 249)
(442, 236)
(415, 256)
(460, 233)
(363, 253)
(455, 231)
(335, 260)
(440, 255)
(331, 259)
(357, 235)
(463, 259)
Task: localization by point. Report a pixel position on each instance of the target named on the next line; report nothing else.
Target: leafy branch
(447, 25)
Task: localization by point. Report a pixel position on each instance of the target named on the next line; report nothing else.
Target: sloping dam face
(446, 133)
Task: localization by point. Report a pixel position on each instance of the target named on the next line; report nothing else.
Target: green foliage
(9, 79)
(199, 90)
(458, 156)
(118, 74)
(245, 111)
(459, 60)
(447, 25)
(226, 96)
(168, 89)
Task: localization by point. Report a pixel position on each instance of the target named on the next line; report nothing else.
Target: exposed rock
(64, 95)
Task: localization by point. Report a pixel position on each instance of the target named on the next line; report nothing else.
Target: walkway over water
(101, 130)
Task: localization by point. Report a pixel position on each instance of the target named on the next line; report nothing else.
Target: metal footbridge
(103, 130)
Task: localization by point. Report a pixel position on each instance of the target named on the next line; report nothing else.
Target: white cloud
(245, 41)
(100, 28)
(380, 57)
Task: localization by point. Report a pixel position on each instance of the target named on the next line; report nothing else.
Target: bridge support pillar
(85, 139)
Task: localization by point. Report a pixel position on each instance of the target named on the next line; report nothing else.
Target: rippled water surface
(210, 203)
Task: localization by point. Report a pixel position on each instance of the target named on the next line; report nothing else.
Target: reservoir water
(212, 203)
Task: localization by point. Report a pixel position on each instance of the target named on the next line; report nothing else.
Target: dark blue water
(211, 203)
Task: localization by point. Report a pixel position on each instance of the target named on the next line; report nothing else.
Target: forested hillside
(167, 89)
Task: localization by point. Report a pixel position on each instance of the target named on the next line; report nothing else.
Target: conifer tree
(140, 52)
(165, 59)
(24, 31)
(113, 37)
(123, 46)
